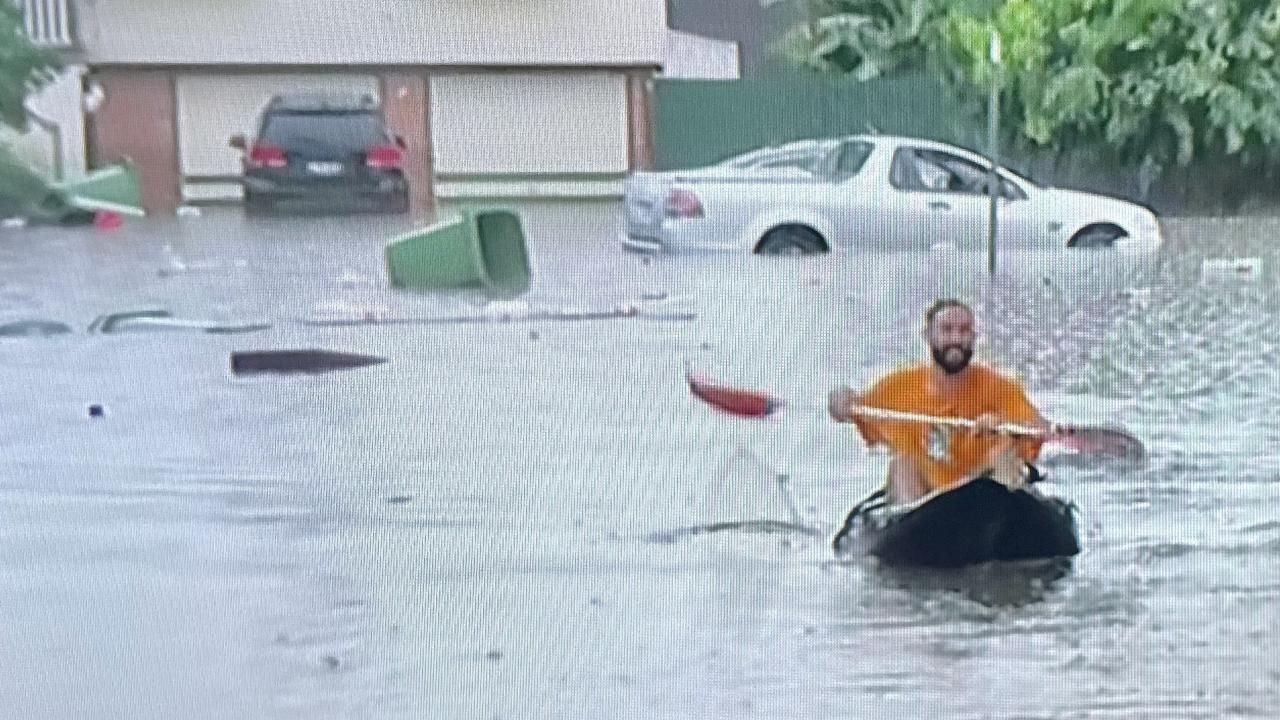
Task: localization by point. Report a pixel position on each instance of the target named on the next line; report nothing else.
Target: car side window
(902, 173)
(1010, 191)
(944, 171)
(750, 159)
(936, 171)
(850, 158)
(806, 161)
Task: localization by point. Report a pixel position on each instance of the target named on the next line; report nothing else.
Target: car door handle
(939, 205)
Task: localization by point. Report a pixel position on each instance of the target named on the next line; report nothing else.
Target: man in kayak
(930, 457)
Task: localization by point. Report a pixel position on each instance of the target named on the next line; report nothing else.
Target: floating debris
(151, 320)
(1231, 269)
(478, 317)
(34, 328)
(351, 279)
(338, 315)
(298, 361)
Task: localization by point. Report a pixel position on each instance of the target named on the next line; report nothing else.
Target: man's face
(951, 336)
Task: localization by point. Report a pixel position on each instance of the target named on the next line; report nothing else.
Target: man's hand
(1006, 466)
(841, 403)
(1060, 430)
(987, 424)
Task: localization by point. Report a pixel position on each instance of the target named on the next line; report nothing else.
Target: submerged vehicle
(867, 191)
(977, 522)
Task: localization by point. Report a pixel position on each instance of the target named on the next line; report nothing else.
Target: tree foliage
(24, 68)
(862, 38)
(1165, 82)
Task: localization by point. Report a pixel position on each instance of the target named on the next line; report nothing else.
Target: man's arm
(1021, 411)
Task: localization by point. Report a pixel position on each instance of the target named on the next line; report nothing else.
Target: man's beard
(954, 364)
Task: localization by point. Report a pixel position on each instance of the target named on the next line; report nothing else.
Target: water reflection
(996, 585)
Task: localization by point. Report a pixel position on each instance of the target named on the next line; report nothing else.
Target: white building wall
(335, 32)
(694, 57)
(562, 122)
(59, 104)
(507, 134)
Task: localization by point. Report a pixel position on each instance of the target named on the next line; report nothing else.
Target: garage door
(498, 125)
(212, 108)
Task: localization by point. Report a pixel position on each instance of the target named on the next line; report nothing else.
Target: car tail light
(268, 156)
(683, 204)
(383, 157)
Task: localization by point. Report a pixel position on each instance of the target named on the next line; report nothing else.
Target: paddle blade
(742, 403)
(1100, 441)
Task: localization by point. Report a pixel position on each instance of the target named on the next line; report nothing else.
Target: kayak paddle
(1086, 440)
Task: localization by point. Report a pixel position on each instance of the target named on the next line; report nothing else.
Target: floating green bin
(26, 194)
(480, 250)
(116, 187)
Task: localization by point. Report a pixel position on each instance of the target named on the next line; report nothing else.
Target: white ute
(867, 191)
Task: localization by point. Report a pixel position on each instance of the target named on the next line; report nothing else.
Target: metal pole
(993, 148)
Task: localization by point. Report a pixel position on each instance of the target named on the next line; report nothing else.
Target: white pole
(993, 148)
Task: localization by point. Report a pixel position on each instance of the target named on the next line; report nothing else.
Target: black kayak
(977, 522)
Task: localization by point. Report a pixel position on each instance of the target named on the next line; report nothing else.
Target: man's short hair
(944, 304)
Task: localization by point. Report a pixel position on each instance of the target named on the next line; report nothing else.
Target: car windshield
(342, 133)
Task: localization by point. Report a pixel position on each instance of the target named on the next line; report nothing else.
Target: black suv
(323, 151)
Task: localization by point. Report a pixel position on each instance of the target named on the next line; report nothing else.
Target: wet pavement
(530, 518)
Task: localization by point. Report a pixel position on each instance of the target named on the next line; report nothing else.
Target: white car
(867, 191)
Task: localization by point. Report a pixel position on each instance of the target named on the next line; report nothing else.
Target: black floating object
(96, 411)
(34, 328)
(298, 361)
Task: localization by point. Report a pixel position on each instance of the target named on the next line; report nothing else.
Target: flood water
(533, 519)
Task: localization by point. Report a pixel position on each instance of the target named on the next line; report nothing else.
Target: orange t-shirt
(946, 454)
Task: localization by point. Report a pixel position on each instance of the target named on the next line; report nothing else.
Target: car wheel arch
(1100, 233)
(765, 223)
(824, 245)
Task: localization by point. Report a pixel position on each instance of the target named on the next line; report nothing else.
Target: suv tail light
(683, 204)
(383, 157)
(268, 156)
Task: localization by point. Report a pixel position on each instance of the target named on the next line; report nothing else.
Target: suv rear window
(340, 132)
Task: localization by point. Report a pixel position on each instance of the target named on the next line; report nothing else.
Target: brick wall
(136, 121)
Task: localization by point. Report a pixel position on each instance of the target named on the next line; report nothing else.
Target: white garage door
(529, 123)
(212, 108)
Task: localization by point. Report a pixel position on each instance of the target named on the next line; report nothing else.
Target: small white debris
(1231, 269)
(506, 309)
(189, 211)
(352, 279)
